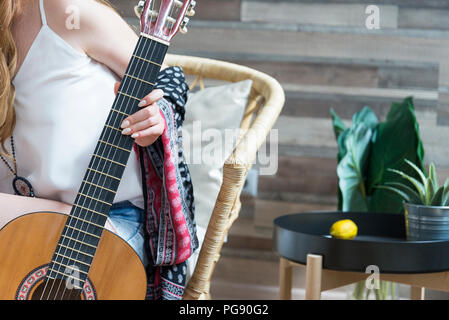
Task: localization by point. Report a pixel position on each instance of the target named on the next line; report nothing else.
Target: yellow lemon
(344, 229)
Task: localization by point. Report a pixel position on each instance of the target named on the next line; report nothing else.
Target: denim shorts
(128, 221)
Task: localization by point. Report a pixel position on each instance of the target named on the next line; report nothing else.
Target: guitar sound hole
(55, 289)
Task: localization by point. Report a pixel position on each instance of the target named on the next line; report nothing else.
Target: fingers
(141, 115)
(153, 132)
(151, 98)
(147, 124)
(142, 125)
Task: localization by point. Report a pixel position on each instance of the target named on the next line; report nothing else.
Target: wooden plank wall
(324, 56)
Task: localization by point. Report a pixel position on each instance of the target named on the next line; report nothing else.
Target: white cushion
(211, 114)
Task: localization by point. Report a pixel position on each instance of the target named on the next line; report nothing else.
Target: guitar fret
(115, 162)
(63, 265)
(129, 96)
(113, 145)
(79, 230)
(101, 214)
(78, 261)
(115, 110)
(79, 241)
(105, 174)
(146, 60)
(111, 127)
(96, 185)
(138, 79)
(92, 223)
(79, 251)
(85, 195)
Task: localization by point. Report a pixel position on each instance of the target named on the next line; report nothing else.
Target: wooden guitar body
(27, 245)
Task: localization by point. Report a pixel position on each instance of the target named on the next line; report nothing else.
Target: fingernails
(126, 131)
(135, 135)
(125, 124)
(142, 103)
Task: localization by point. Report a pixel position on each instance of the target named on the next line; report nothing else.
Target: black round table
(381, 242)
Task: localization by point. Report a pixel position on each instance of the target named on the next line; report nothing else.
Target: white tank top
(63, 98)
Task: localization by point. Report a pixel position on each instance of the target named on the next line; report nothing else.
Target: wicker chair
(265, 104)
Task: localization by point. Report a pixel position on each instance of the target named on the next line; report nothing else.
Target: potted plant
(366, 148)
(426, 203)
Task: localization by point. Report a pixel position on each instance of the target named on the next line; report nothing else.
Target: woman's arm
(102, 33)
(107, 38)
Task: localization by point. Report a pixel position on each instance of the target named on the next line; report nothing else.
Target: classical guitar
(49, 255)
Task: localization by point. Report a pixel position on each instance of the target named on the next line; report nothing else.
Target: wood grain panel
(356, 74)
(312, 44)
(423, 18)
(322, 14)
(223, 10)
(438, 4)
(303, 175)
(219, 10)
(317, 73)
(266, 211)
(318, 105)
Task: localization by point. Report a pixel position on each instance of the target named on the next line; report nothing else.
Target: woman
(57, 83)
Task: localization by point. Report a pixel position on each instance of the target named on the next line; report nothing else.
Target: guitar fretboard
(84, 226)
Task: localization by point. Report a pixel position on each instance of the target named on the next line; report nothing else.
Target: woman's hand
(147, 124)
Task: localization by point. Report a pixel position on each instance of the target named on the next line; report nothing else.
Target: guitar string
(134, 91)
(120, 137)
(110, 119)
(130, 88)
(78, 213)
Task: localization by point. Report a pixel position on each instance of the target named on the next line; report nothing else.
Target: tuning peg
(183, 26)
(192, 4)
(139, 8)
(183, 30)
(190, 11)
(184, 22)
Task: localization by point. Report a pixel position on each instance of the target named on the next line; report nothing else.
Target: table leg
(285, 279)
(417, 293)
(314, 270)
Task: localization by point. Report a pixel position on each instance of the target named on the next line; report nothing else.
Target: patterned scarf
(168, 193)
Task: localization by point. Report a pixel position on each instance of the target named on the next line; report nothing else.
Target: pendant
(22, 187)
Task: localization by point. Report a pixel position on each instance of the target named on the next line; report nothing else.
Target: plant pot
(426, 222)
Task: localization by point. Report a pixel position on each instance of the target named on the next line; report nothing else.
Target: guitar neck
(84, 226)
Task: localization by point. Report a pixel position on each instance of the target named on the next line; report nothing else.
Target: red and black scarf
(168, 193)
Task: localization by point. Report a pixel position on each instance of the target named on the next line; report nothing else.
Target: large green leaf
(353, 148)
(396, 139)
(351, 169)
(365, 117)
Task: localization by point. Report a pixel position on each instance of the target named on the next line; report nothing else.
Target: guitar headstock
(162, 19)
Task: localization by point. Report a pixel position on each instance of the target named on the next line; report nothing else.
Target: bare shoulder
(79, 21)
